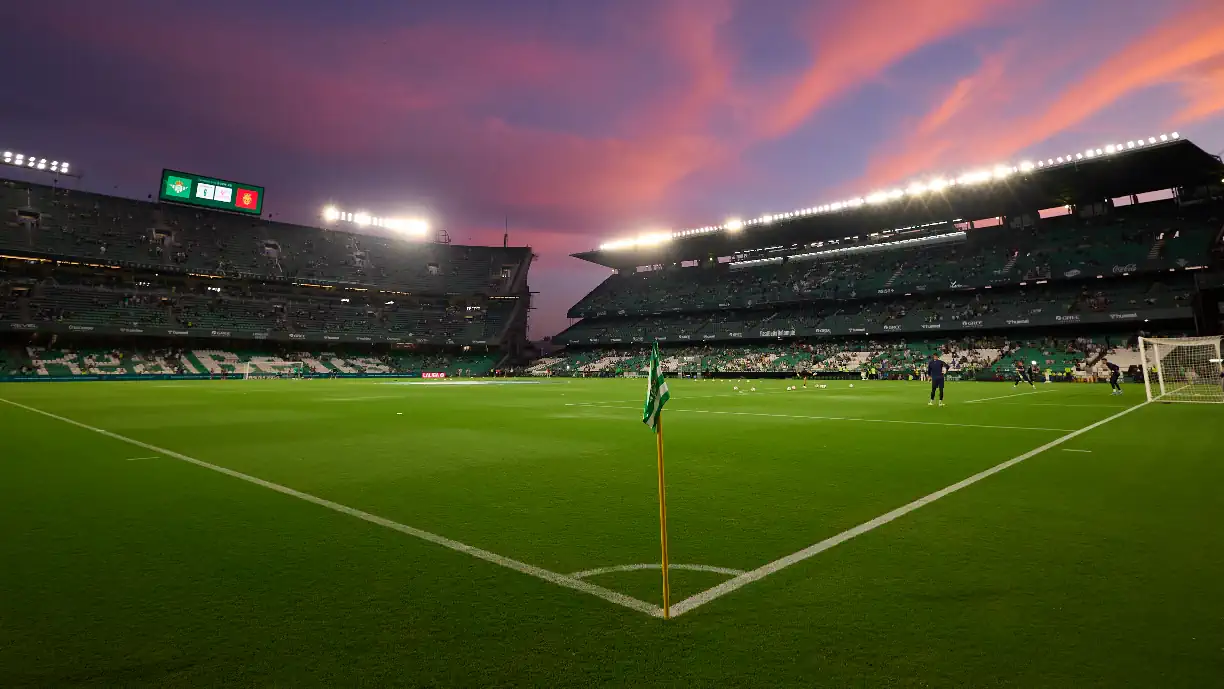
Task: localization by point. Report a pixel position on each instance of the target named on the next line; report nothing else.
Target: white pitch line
(133, 459)
(835, 418)
(1014, 394)
(761, 572)
(633, 568)
(531, 570)
(1071, 449)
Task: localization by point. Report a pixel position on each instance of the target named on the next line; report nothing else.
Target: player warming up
(1022, 376)
(935, 371)
(1114, 374)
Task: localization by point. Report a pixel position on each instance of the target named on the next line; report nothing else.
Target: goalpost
(1182, 369)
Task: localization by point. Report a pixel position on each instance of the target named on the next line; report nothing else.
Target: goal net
(1182, 369)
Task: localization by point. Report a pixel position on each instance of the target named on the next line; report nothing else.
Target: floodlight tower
(25, 161)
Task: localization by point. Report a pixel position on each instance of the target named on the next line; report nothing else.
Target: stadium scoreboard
(208, 192)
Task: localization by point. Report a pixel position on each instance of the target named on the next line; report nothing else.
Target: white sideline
(833, 418)
(1014, 394)
(537, 572)
(634, 568)
(761, 572)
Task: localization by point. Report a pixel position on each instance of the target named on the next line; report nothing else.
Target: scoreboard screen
(207, 192)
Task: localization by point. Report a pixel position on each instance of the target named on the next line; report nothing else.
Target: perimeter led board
(208, 192)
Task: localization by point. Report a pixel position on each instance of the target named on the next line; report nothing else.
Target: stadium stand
(1060, 257)
(75, 264)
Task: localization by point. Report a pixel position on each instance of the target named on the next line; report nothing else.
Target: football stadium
(953, 434)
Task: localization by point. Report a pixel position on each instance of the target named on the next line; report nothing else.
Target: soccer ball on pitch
(852, 385)
(735, 387)
(754, 390)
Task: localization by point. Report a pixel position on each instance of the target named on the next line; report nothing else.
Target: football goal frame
(1182, 369)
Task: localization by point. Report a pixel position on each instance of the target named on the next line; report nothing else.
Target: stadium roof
(1088, 176)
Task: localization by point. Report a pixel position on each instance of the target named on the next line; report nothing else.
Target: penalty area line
(564, 580)
(833, 418)
(815, 549)
(1014, 394)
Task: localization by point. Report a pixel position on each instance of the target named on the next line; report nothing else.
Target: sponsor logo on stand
(971, 324)
(892, 327)
(1067, 319)
(932, 326)
(81, 328)
(296, 336)
(1018, 321)
(220, 333)
(1123, 316)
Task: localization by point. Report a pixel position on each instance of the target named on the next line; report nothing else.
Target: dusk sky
(588, 120)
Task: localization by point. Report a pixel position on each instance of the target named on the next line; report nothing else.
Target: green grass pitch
(1098, 562)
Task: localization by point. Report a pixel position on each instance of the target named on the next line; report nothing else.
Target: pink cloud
(991, 115)
(863, 40)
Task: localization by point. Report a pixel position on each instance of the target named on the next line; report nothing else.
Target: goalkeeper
(1114, 374)
(1022, 376)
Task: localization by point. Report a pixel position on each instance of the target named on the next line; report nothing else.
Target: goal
(1182, 369)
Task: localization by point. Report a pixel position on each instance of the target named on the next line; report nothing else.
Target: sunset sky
(585, 120)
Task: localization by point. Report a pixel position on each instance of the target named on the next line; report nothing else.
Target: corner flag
(652, 415)
(656, 391)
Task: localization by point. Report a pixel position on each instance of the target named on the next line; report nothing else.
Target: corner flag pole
(652, 415)
(663, 518)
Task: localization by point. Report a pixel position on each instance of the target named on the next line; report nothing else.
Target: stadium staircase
(893, 278)
(1157, 247)
(1011, 263)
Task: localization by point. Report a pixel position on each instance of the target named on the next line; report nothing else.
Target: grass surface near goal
(1092, 567)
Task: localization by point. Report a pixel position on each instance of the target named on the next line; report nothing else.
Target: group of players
(1024, 374)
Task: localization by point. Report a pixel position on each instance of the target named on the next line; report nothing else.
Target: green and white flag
(656, 391)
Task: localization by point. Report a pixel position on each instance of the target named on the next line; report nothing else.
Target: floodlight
(1110, 148)
(1164, 137)
(1079, 156)
(390, 303)
(1175, 135)
(416, 227)
(916, 188)
(1026, 166)
(735, 225)
(331, 214)
(1060, 159)
(1151, 139)
(64, 168)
